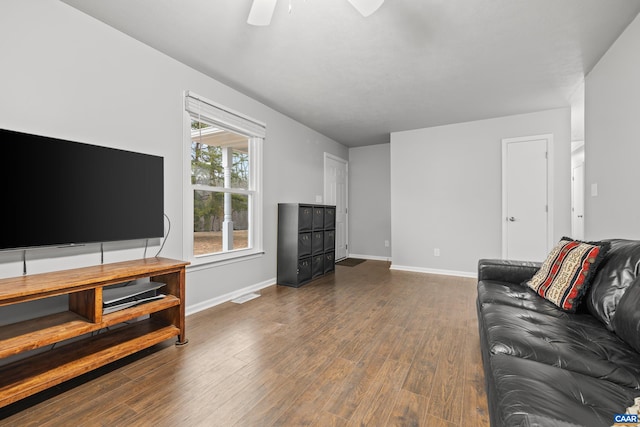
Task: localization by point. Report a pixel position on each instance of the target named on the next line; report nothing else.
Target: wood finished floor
(365, 346)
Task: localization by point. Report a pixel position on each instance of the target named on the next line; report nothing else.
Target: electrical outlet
(436, 251)
(386, 243)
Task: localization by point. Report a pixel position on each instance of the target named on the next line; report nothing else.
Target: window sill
(204, 262)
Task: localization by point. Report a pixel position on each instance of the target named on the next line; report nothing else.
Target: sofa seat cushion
(515, 295)
(529, 393)
(578, 343)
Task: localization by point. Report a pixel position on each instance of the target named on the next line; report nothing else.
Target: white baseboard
(473, 275)
(371, 257)
(192, 309)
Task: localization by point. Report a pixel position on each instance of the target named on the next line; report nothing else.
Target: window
(224, 183)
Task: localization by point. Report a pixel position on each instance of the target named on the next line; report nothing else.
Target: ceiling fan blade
(366, 7)
(261, 12)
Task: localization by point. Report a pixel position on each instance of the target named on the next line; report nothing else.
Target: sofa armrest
(507, 271)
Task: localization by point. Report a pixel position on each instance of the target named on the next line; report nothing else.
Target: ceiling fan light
(261, 12)
(366, 7)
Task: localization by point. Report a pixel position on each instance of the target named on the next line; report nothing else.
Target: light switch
(594, 189)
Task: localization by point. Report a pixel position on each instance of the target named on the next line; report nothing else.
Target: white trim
(256, 173)
(206, 110)
(370, 257)
(346, 217)
(202, 187)
(224, 258)
(246, 297)
(576, 145)
(473, 275)
(334, 157)
(192, 309)
(187, 192)
(550, 175)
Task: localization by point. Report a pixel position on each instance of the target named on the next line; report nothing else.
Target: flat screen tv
(57, 192)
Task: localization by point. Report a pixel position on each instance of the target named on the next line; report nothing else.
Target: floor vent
(246, 297)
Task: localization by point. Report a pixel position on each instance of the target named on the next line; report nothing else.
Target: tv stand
(85, 321)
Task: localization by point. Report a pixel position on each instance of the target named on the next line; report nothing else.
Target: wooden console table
(162, 320)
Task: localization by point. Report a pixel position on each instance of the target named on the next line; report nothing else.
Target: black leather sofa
(548, 367)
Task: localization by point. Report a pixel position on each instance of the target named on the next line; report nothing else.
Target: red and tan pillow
(567, 272)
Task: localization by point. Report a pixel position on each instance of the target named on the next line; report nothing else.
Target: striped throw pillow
(567, 272)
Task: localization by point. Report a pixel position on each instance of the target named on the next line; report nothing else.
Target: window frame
(255, 132)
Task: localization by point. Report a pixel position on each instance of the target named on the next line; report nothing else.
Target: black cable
(165, 237)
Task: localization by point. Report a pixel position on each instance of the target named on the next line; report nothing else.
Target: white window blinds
(207, 111)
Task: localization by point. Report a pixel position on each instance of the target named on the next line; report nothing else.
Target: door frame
(577, 160)
(550, 149)
(346, 218)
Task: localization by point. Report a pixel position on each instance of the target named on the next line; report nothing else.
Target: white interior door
(335, 193)
(577, 205)
(526, 227)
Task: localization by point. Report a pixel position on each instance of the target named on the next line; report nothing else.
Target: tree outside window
(220, 178)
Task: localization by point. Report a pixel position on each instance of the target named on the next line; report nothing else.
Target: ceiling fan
(262, 10)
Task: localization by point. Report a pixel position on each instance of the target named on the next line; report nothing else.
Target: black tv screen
(58, 192)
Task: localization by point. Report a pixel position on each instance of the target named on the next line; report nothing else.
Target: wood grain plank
(353, 388)
(379, 400)
(448, 383)
(307, 406)
(423, 368)
(37, 286)
(475, 399)
(326, 419)
(410, 409)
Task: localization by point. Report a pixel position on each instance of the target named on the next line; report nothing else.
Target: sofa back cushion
(616, 273)
(626, 322)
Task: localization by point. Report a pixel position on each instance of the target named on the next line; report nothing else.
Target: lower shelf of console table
(25, 378)
(99, 339)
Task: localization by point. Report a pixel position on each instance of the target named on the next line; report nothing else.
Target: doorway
(336, 193)
(527, 197)
(577, 190)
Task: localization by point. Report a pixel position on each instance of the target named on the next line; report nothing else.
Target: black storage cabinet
(306, 242)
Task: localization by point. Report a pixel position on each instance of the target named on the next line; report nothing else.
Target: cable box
(121, 296)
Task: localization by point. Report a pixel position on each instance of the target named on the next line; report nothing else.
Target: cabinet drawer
(304, 245)
(304, 270)
(317, 242)
(329, 240)
(305, 218)
(329, 217)
(318, 265)
(329, 262)
(318, 217)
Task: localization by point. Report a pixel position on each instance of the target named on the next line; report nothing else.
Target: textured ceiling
(412, 64)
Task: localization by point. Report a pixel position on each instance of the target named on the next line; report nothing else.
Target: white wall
(67, 75)
(370, 202)
(612, 140)
(577, 114)
(446, 189)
